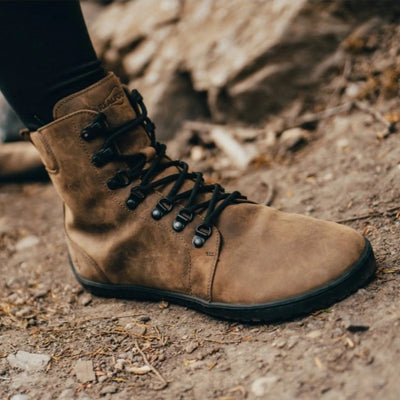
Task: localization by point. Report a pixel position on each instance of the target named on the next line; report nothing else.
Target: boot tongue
(106, 96)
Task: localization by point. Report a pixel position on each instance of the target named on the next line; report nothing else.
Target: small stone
(353, 90)
(77, 290)
(292, 342)
(163, 305)
(136, 329)
(16, 299)
(109, 389)
(41, 292)
(342, 143)
(24, 312)
(85, 299)
(119, 365)
(28, 361)
(191, 347)
(314, 334)
(197, 153)
(67, 394)
(27, 242)
(262, 386)
(84, 371)
(20, 397)
(310, 209)
(293, 138)
(327, 177)
(139, 370)
(280, 343)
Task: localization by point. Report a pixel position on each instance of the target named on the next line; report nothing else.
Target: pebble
(280, 343)
(191, 347)
(67, 394)
(292, 342)
(261, 386)
(85, 299)
(24, 312)
(27, 242)
(353, 90)
(292, 138)
(84, 371)
(16, 299)
(28, 361)
(119, 365)
(109, 389)
(136, 329)
(197, 153)
(41, 292)
(314, 334)
(139, 370)
(342, 143)
(310, 209)
(20, 397)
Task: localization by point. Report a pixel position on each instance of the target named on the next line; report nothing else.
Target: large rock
(231, 60)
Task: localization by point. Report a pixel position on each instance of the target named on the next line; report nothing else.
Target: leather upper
(255, 254)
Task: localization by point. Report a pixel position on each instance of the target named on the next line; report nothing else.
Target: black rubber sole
(276, 311)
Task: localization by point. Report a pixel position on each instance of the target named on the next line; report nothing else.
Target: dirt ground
(350, 351)
(347, 172)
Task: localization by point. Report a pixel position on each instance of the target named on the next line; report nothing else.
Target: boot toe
(284, 256)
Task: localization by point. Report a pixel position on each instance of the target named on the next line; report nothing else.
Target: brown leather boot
(139, 225)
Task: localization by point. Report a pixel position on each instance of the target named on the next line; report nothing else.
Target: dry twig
(390, 126)
(164, 383)
(370, 215)
(346, 107)
(315, 117)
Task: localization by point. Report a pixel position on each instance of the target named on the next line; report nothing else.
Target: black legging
(46, 55)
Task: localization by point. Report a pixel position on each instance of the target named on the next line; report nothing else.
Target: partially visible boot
(139, 225)
(20, 161)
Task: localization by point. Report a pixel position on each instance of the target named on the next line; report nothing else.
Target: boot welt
(275, 311)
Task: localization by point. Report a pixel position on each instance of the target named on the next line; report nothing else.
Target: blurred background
(246, 77)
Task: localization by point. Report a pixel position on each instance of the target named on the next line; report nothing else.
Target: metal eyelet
(203, 232)
(138, 194)
(119, 180)
(95, 128)
(164, 206)
(182, 219)
(102, 157)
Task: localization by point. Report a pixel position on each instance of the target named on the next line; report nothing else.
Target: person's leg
(46, 55)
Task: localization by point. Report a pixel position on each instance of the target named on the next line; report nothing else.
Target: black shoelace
(215, 204)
